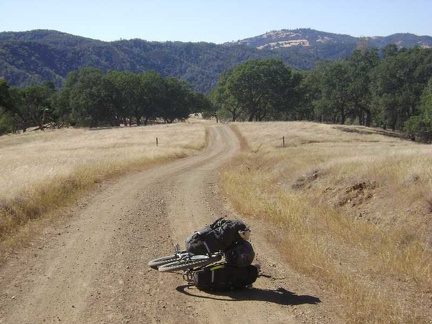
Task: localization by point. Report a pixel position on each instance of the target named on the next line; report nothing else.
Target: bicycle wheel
(189, 263)
(155, 263)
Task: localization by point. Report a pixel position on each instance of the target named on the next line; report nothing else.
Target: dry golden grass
(354, 208)
(45, 170)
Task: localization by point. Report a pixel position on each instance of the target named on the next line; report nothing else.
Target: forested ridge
(45, 55)
(38, 56)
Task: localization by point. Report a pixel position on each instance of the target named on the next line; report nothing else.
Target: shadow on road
(278, 296)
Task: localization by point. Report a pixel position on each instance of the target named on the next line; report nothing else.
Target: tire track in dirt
(92, 266)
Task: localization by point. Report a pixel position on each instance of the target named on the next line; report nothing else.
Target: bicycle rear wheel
(194, 261)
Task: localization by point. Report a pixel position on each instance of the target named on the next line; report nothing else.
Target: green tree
(124, 94)
(62, 108)
(6, 120)
(310, 93)
(426, 103)
(32, 106)
(421, 125)
(398, 82)
(293, 105)
(222, 102)
(174, 103)
(68, 113)
(362, 62)
(390, 50)
(258, 87)
(335, 102)
(150, 96)
(91, 96)
(5, 100)
(199, 103)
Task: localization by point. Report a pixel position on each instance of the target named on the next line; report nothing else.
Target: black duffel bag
(203, 241)
(224, 277)
(218, 236)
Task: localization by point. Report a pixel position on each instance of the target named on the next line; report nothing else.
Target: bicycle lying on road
(207, 272)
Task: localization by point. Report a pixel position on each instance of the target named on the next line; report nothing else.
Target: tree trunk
(42, 122)
(368, 118)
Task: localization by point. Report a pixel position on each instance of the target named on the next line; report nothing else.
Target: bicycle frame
(183, 260)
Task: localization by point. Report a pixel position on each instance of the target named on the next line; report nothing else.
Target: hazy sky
(215, 21)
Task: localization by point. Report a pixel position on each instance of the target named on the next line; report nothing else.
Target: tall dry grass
(354, 209)
(42, 171)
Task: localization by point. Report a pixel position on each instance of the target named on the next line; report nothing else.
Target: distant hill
(47, 55)
(284, 39)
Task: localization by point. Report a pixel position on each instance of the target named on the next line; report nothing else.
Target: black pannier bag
(224, 277)
(215, 237)
(240, 255)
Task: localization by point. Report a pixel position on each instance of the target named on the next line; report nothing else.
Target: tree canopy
(256, 89)
(371, 88)
(90, 97)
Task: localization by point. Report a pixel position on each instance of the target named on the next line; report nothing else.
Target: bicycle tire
(155, 263)
(194, 262)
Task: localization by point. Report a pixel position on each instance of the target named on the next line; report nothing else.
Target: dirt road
(91, 267)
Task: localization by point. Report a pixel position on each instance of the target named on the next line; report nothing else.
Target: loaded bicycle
(218, 257)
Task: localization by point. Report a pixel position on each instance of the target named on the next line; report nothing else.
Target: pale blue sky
(215, 21)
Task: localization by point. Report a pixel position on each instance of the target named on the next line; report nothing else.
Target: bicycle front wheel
(194, 261)
(155, 263)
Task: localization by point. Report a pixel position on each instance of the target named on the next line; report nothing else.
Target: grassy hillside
(353, 206)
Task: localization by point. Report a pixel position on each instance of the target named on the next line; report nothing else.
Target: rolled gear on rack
(218, 236)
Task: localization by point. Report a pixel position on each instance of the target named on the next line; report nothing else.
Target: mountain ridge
(47, 55)
(296, 37)
(49, 35)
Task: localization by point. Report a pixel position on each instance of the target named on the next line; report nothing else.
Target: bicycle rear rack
(188, 277)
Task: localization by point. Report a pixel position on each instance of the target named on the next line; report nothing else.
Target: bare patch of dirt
(356, 194)
(305, 181)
